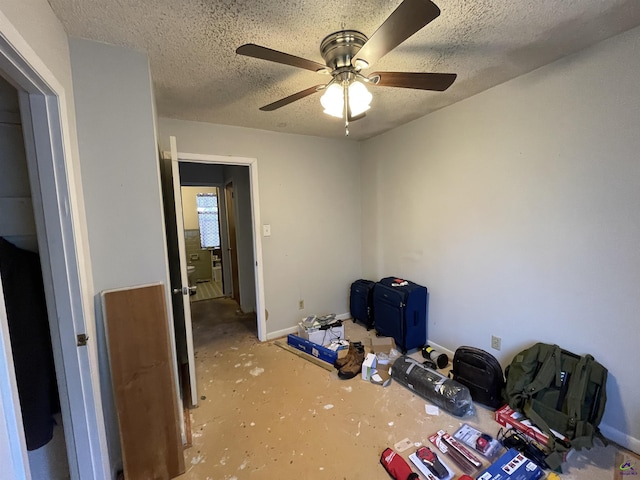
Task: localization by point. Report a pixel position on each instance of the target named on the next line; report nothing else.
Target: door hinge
(83, 338)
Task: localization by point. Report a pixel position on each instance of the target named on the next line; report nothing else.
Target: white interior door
(183, 289)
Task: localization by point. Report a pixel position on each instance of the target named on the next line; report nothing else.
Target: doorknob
(181, 291)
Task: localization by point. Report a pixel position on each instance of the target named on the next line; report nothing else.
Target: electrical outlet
(301, 305)
(496, 342)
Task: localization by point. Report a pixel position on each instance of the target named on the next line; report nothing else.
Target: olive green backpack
(558, 390)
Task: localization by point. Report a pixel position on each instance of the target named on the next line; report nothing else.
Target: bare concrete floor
(265, 413)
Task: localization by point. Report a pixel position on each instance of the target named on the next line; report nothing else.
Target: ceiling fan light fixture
(359, 98)
(333, 100)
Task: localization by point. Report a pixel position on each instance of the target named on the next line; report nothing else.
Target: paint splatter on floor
(256, 371)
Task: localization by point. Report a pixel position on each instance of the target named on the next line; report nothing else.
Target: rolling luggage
(361, 302)
(481, 373)
(400, 311)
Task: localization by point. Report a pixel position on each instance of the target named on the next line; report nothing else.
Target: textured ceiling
(198, 76)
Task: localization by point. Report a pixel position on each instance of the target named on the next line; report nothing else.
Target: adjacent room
(199, 149)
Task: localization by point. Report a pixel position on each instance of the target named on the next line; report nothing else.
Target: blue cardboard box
(311, 348)
(513, 465)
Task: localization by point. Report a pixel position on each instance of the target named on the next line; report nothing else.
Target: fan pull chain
(345, 89)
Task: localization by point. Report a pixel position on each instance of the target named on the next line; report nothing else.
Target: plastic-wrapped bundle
(444, 392)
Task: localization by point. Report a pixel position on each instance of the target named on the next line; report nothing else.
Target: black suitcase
(481, 373)
(361, 302)
(400, 311)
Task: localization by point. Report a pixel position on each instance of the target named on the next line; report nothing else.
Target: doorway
(55, 205)
(202, 213)
(214, 170)
(26, 307)
(250, 276)
(236, 250)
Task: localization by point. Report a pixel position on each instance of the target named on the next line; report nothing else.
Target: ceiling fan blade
(291, 98)
(421, 81)
(407, 19)
(264, 53)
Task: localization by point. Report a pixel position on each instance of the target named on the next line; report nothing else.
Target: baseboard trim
(621, 438)
(282, 333)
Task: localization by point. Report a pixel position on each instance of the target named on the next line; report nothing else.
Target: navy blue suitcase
(361, 302)
(401, 312)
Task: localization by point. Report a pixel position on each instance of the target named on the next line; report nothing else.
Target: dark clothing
(30, 342)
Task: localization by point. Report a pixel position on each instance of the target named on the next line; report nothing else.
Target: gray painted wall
(114, 107)
(518, 208)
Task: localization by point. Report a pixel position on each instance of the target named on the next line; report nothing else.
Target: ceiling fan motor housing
(339, 48)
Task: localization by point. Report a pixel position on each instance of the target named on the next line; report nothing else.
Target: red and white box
(508, 417)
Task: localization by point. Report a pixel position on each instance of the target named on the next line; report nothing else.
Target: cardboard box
(311, 348)
(382, 344)
(513, 465)
(321, 337)
(507, 417)
(369, 366)
(382, 347)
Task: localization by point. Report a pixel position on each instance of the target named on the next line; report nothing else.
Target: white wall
(310, 195)
(125, 221)
(518, 208)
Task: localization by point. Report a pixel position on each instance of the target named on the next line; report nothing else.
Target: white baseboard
(286, 331)
(622, 439)
(282, 333)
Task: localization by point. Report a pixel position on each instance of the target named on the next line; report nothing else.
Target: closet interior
(25, 304)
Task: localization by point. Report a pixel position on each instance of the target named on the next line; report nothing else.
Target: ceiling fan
(347, 53)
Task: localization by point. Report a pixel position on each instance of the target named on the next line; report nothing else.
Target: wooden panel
(143, 382)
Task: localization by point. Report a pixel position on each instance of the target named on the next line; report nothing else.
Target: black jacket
(30, 342)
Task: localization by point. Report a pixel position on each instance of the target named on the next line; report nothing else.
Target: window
(207, 204)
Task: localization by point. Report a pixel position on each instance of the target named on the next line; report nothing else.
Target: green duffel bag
(558, 391)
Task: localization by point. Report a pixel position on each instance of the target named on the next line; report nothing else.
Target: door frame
(65, 267)
(252, 163)
(232, 239)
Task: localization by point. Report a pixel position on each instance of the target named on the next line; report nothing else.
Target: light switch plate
(266, 230)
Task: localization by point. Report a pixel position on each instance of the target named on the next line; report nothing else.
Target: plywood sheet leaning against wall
(143, 382)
